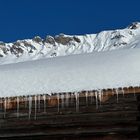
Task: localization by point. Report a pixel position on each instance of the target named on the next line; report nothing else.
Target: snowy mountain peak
(134, 25)
(61, 45)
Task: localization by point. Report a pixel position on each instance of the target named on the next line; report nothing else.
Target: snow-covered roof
(97, 70)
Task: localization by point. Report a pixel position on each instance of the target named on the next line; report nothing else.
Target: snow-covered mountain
(61, 45)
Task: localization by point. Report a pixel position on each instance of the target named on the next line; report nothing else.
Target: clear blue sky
(21, 19)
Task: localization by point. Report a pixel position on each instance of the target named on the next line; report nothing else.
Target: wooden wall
(113, 116)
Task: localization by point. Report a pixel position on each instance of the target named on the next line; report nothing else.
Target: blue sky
(20, 19)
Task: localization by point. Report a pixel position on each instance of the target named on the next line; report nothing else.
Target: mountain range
(62, 45)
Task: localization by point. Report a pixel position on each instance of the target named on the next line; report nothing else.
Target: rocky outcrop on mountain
(61, 45)
(64, 40)
(49, 40)
(134, 25)
(37, 39)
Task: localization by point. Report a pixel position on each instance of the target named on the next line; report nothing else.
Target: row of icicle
(64, 98)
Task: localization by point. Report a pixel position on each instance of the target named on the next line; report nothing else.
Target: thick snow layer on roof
(97, 70)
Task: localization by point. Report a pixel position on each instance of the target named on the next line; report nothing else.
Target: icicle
(72, 98)
(44, 98)
(30, 106)
(122, 91)
(26, 101)
(17, 100)
(77, 101)
(67, 99)
(58, 98)
(38, 103)
(96, 97)
(91, 96)
(134, 92)
(8, 102)
(5, 107)
(62, 100)
(100, 96)
(35, 99)
(112, 91)
(117, 93)
(0, 103)
(86, 94)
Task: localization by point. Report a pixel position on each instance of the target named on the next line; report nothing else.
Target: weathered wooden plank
(125, 133)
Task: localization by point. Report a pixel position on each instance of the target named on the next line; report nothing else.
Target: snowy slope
(61, 45)
(98, 70)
